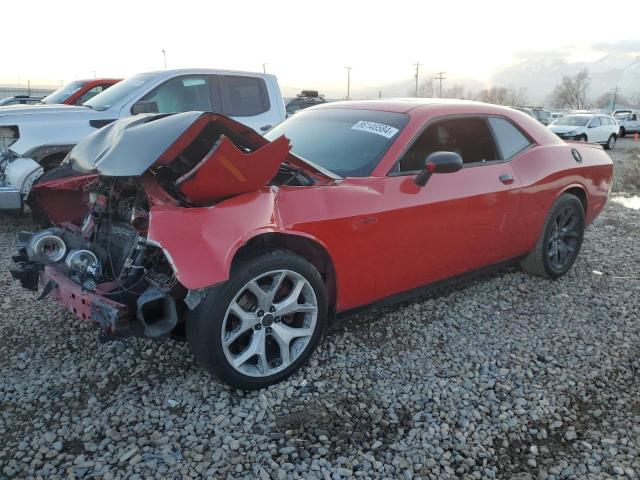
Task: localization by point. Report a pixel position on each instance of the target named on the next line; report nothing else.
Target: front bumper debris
(110, 315)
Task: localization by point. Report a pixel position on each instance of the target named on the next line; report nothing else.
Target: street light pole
(164, 54)
(264, 67)
(348, 82)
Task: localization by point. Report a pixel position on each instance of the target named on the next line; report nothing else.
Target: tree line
(571, 93)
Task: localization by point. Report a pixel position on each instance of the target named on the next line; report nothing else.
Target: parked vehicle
(20, 100)
(194, 221)
(587, 127)
(629, 121)
(80, 91)
(305, 99)
(36, 139)
(540, 114)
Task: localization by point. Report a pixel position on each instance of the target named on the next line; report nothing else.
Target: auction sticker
(377, 128)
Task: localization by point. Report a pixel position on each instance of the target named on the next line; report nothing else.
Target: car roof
(416, 105)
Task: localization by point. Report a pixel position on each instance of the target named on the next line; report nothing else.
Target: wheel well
(52, 161)
(581, 194)
(305, 247)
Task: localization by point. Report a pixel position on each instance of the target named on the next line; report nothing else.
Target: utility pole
(164, 55)
(29, 87)
(440, 76)
(348, 82)
(379, 93)
(417, 64)
(264, 67)
(615, 95)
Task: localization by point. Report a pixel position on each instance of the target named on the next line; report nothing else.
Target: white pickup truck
(34, 139)
(629, 121)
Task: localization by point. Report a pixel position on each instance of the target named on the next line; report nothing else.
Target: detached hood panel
(206, 155)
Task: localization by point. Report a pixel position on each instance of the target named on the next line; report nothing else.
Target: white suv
(629, 121)
(37, 138)
(587, 127)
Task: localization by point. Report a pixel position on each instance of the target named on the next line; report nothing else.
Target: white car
(37, 138)
(629, 121)
(587, 127)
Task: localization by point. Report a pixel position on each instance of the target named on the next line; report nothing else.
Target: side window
(182, 94)
(469, 137)
(510, 140)
(89, 94)
(595, 122)
(243, 96)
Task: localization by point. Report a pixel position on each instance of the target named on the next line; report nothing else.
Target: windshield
(60, 95)
(349, 143)
(120, 91)
(572, 121)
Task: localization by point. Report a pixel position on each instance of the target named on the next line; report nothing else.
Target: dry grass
(629, 172)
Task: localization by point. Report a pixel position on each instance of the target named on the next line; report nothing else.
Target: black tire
(623, 132)
(581, 138)
(204, 324)
(611, 142)
(539, 261)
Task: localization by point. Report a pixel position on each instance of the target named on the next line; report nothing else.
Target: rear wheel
(262, 325)
(560, 240)
(610, 143)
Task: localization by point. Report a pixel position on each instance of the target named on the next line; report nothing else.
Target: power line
(440, 76)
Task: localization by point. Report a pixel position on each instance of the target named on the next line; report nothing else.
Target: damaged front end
(101, 260)
(17, 174)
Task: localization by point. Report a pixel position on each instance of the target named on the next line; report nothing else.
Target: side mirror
(439, 162)
(144, 107)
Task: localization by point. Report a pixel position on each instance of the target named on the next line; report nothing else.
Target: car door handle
(506, 179)
(264, 128)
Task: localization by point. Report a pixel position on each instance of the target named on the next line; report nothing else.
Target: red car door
(457, 222)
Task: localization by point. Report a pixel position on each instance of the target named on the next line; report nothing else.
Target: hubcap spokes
(269, 323)
(563, 240)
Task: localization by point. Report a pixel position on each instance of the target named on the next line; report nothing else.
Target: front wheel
(560, 240)
(610, 143)
(263, 324)
(581, 138)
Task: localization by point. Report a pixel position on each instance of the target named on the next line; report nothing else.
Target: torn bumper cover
(110, 315)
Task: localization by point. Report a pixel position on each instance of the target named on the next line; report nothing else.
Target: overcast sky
(306, 44)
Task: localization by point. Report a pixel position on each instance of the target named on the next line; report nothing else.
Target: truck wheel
(261, 325)
(559, 244)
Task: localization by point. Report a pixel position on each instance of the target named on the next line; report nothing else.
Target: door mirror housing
(439, 162)
(144, 107)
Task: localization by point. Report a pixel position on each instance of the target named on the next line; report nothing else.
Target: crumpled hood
(207, 156)
(564, 128)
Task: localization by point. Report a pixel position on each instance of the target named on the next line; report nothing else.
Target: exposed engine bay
(98, 258)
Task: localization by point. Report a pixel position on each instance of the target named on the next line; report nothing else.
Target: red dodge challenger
(193, 223)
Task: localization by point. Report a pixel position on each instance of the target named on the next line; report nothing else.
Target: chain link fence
(34, 92)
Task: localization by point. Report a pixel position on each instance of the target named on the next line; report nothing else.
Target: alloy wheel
(612, 142)
(269, 323)
(563, 241)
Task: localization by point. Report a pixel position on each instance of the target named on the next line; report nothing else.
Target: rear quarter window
(511, 140)
(243, 96)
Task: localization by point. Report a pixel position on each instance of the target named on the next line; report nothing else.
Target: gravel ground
(506, 377)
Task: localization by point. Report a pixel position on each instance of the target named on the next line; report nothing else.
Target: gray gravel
(506, 377)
